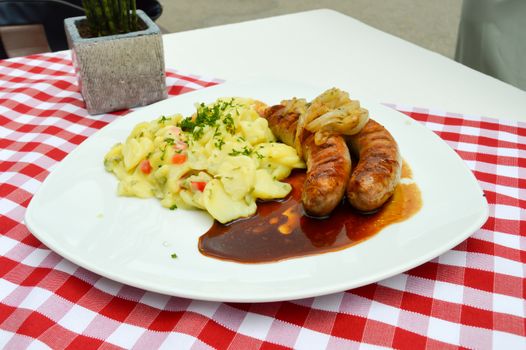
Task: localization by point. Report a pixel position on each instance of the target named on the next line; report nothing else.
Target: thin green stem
(101, 24)
(133, 15)
(106, 17)
(124, 15)
(115, 14)
(106, 9)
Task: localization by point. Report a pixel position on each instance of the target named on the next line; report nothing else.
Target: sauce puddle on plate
(281, 230)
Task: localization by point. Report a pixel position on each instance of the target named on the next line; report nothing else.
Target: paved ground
(429, 23)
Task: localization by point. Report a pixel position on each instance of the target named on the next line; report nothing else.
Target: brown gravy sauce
(281, 230)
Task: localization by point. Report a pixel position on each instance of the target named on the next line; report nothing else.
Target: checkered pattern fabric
(471, 296)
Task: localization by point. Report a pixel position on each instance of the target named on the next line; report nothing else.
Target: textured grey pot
(118, 71)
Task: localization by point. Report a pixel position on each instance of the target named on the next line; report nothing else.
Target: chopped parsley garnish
(217, 133)
(168, 142)
(207, 116)
(173, 207)
(245, 151)
(198, 132)
(173, 256)
(163, 119)
(229, 124)
(234, 153)
(219, 143)
(187, 124)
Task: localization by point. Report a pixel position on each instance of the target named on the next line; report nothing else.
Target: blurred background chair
(30, 20)
(492, 39)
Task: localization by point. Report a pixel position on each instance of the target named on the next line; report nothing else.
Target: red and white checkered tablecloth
(471, 296)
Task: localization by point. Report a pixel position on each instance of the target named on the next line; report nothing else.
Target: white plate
(77, 213)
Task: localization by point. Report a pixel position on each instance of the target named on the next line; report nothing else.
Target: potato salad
(220, 159)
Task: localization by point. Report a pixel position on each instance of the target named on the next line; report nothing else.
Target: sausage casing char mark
(328, 164)
(377, 173)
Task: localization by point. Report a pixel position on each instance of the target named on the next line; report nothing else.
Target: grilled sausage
(328, 171)
(377, 173)
(282, 124)
(328, 164)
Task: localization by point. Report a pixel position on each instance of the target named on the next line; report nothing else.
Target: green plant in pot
(118, 56)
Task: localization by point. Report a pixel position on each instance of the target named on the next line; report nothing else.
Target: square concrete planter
(118, 71)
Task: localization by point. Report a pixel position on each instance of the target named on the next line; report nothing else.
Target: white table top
(327, 48)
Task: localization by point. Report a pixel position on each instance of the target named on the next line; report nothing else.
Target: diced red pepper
(146, 167)
(179, 158)
(199, 185)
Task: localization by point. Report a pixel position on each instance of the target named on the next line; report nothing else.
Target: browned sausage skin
(328, 164)
(377, 173)
(282, 123)
(328, 171)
